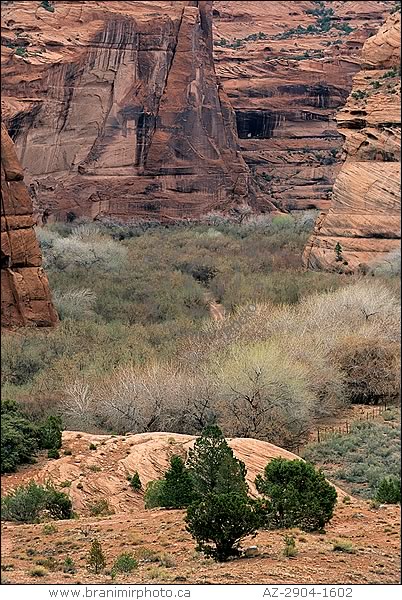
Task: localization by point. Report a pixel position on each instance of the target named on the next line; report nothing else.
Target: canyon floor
(158, 539)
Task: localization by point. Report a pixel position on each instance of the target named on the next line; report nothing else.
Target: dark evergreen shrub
(297, 495)
(220, 522)
(389, 491)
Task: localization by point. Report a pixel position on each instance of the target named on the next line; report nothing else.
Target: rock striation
(117, 112)
(364, 217)
(25, 294)
(287, 67)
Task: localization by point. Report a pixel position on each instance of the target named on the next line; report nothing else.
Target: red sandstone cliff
(25, 294)
(364, 217)
(117, 112)
(287, 68)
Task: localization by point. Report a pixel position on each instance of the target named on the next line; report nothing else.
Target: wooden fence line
(323, 433)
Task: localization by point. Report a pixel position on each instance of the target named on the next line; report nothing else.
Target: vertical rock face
(364, 217)
(25, 294)
(287, 68)
(124, 117)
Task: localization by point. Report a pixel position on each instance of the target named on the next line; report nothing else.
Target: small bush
(38, 572)
(100, 508)
(135, 481)
(58, 504)
(19, 438)
(125, 563)
(95, 468)
(92, 447)
(28, 504)
(389, 491)
(298, 495)
(50, 433)
(47, 5)
(49, 528)
(25, 504)
(69, 566)
(147, 555)
(220, 522)
(21, 51)
(96, 558)
(68, 452)
(53, 453)
(154, 493)
(290, 550)
(343, 546)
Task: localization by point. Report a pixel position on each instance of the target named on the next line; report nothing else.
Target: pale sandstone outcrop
(364, 216)
(25, 294)
(120, 456)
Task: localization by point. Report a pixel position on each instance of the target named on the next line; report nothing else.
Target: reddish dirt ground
(158, 539)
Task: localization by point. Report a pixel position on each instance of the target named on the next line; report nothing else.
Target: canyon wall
(364, 219)
(116, 110)
(25, 294)
(287, 67)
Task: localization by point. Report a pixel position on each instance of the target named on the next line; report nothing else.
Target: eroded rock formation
(25, 294)
(364, 217)
(287, 68)
(117, 112)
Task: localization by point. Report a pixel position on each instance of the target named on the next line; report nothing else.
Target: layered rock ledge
(364, 217)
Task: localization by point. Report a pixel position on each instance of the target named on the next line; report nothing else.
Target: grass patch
(360, 460)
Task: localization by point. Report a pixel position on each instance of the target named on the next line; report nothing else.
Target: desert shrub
(25, 504)
(290, 550)
(298, 495)
(19, 438)
(50, 433)
(30, 503)
(86, 247)
(213, 466)
(57, 504)
(220, 521)
(125, 563)
(74, 303)
(53, 453)
(47, 5)
(49, 529)
(99, 508)
(154, 493)
(38, 572)
(360, 460)
(135, 481)
(389, 491)
(371, 370)
(343, 546)
(388, 265)
(69, 566)
(96, 558)
(265, 395)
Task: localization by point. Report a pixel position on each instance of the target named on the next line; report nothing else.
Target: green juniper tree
(297, 495)
(338, 252)
(178, 489)
(213, 466)
(96, 559)
(220, 521)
